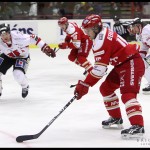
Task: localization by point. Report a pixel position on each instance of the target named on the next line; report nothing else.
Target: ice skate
(134, 131)
(113, 123)
(146, 90)
(25, 91)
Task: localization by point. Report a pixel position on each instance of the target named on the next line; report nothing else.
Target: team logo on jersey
(132, 73)
(101, 36)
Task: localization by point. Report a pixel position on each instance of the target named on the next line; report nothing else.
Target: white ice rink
(78, 126)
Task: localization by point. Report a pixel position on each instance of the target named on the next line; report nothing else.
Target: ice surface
(78, 126)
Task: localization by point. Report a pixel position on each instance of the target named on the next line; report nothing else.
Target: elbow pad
(99, 70)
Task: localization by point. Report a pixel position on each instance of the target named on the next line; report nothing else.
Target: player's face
(133, 30)
(90, 33)
(6, 37)
(63, 26)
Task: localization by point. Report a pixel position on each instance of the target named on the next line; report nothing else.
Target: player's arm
(74, 44)
(44, 47)
(67, 39)
(145, 45)
(82, 87)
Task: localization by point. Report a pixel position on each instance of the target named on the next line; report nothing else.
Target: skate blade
(116, 126)
(132, 136)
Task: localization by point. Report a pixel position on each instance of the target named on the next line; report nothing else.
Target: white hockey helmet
(4, 28)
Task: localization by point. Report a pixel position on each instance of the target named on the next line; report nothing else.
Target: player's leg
(146, 90)
(134, 114)
(111, 100)
(134, 70)
(73, 56)
(5, 64)
(19, 73)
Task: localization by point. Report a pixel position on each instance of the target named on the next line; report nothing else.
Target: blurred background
(72, 10)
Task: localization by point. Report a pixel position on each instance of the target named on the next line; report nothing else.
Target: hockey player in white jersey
(142, 33)
(14, 49)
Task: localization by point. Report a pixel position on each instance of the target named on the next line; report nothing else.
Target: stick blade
(22, 138)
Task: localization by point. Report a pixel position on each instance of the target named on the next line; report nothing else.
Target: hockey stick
(73, 85)
(35, 136)
(56, 50)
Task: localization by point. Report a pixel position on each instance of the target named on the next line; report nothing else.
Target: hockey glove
(63, 45)
(81, 89)
(48, 51)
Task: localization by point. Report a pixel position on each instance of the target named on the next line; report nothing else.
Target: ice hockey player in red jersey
(14, 49)
(79, 43)
(109, 48)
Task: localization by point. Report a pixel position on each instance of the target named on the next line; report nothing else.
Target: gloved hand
(48, 51)
(63, 45)
(81, 89)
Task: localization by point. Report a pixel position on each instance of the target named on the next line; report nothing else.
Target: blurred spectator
(6, 11)
(114, 9)
(85, 8)
(62, 12)
(17, 7)
(66, 9)
(33, 9)
(76, 9)
(97, 7)
(47, 10)
(55, 11)
(71, 10)
(138, 9)
(40, 6)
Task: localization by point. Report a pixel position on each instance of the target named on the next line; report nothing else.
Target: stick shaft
(35, 136)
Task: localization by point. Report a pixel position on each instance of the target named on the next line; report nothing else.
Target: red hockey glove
(81, 89)
(48, 51)
(63, 45)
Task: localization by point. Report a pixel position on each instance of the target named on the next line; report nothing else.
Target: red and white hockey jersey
(109, 48)
(19, 46)
(76, 35)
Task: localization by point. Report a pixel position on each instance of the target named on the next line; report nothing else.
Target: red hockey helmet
(91, 21)
(62, 20)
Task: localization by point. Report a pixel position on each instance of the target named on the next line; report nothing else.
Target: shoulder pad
(70, 29)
